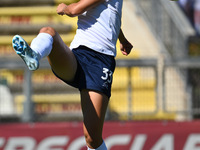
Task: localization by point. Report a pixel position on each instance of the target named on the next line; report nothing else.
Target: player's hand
(60, 9)
(126, 47)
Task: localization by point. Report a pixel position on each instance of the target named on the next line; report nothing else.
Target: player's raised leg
(47, 43)
(94, 105)
(62, 60)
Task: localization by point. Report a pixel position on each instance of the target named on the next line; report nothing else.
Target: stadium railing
(177, 100)
(129, 106)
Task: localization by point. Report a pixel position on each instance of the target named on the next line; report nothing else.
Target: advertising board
(117, 136)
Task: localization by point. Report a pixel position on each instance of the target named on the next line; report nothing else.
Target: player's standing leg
(94, 107)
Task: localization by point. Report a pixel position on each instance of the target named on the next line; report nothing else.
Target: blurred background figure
(191, 8)
(197, 16)
(188, 8)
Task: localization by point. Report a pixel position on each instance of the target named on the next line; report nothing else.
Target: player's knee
(48, 30)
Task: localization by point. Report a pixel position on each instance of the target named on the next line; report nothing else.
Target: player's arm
(77, 8)
(125, 45)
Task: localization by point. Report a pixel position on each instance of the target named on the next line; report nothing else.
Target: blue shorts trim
(94, 71)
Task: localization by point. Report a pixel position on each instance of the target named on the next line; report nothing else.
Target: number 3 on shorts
(108, 75)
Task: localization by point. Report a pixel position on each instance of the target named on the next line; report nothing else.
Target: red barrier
(118, 136)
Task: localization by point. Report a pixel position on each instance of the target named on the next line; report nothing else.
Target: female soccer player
(89, 63)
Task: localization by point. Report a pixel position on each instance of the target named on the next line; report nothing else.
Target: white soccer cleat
(29, 56)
